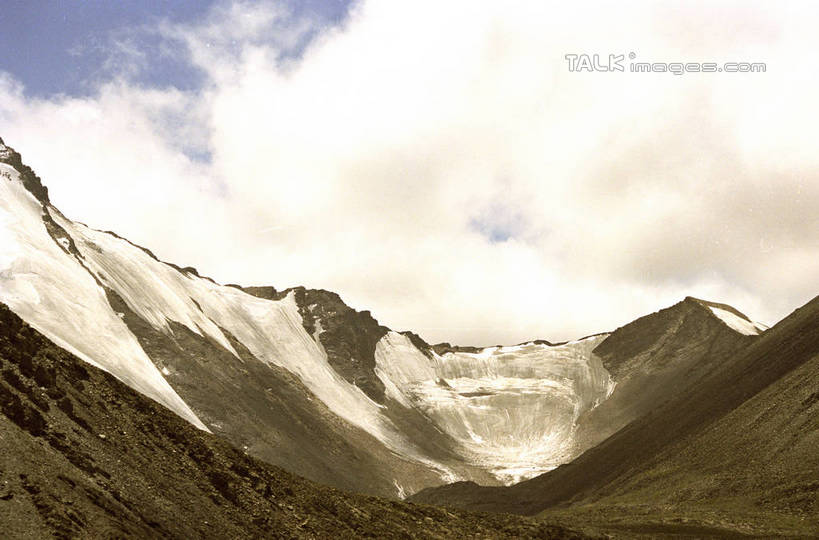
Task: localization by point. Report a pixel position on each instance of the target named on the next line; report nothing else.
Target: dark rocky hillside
(655, 359)
(83, 455)
(736, 454)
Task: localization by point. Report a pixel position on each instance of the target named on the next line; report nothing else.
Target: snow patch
(317, 333)
(737, 323)
(400, 491)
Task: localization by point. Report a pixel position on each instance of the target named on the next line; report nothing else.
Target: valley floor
(727, 520)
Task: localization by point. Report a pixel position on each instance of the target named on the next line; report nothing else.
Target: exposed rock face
(348, 336)
(443, 348)
(84, 456)
(30, 180)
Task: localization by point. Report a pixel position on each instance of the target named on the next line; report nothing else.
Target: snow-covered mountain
(301, 380)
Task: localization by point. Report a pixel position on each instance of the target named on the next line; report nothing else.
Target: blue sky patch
(498, 223)
(66, 46)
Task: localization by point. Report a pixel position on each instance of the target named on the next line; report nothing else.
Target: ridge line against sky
(436, 164)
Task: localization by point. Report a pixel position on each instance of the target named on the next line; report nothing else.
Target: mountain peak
(732, 317)
(30, 180)
(5, 151)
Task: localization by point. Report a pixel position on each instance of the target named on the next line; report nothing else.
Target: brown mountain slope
(755, 470)
(745, 435)
(655, 359)
(83, 455)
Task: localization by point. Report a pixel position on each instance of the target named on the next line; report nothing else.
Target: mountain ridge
(359, 395)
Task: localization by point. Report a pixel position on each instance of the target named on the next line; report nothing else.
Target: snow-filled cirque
(513, 409)
(426, 414)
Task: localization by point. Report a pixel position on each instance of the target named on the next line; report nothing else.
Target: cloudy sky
(436, 162)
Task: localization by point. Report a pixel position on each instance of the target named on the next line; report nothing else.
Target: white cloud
(439, 165)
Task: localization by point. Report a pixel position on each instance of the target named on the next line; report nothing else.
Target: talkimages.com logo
(617, 63)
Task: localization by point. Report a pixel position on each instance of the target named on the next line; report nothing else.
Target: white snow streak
(271, 330)
(737, 323)
(51, 291)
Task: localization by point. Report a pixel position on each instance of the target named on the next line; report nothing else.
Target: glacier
(513, 410)
(510, 410)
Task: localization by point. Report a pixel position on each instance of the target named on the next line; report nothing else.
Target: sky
(436, 163)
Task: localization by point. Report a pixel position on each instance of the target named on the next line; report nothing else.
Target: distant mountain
(300, 380)
(82, 455)
(735, 453)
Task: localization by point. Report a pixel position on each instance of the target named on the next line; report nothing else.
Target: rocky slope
(83, 455)
(656, 358)
(734, 455)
